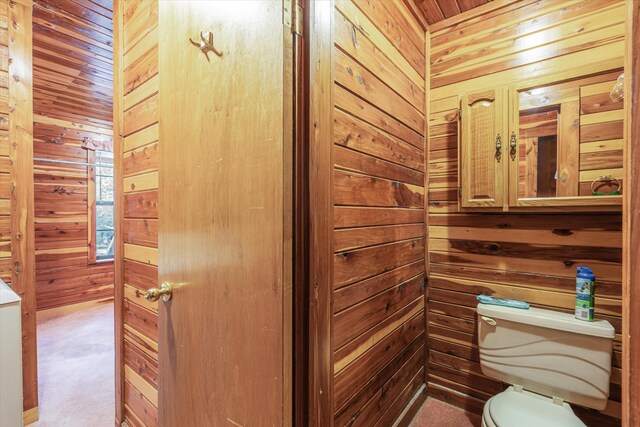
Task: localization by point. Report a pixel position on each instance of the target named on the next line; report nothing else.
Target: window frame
(93, 203)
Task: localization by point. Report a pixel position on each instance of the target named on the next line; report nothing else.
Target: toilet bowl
(550, 358)
(522, 408)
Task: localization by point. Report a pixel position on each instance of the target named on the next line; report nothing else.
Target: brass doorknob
(154, 294)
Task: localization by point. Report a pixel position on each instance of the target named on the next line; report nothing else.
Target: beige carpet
(435, 413)
(76, 366)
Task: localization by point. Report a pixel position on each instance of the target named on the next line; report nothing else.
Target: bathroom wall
(73, 93)
(531, 257)
(137, 148)
(378, 324)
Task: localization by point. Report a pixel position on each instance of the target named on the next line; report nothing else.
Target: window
(104, 212)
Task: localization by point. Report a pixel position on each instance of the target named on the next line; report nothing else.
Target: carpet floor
(76, 366)
(435, 413)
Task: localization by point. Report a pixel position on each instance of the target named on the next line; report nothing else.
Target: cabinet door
(483, 149)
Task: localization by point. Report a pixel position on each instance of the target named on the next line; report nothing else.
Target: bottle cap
(585, 272)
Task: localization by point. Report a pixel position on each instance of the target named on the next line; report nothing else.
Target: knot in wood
(562, 232)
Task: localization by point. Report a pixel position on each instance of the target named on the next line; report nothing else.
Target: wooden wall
(5, 161)
(73, 69)
(16, 140)
(137, 152)
(531, 257)
(378, 192)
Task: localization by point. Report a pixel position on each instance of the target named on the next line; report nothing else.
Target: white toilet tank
(547, 352)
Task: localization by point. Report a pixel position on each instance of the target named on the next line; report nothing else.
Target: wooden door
(484, 149)
(224, 200)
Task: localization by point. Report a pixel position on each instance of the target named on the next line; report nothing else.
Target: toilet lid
(511, 408)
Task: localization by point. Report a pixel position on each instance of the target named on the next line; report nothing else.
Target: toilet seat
(513, 408)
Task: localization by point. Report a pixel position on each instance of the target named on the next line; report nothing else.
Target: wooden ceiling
(438, 10)
(73, 60)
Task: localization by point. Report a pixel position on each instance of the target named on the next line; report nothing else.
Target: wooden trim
(472, 13)
(30, 415)
(289, 134)
(427, 139)
(419, 16)
(301, 227)
(321, 212)
(416, 402)
(118, 180)
(97, 145)
(71, 125)
(555, 79)
(23, 278)
(91, 204)
(72, 308)
(631, 223)
(570, 201)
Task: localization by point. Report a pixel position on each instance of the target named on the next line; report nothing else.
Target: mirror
(570, 139)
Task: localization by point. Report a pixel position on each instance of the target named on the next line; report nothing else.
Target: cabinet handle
(498, 147)
(514, 145)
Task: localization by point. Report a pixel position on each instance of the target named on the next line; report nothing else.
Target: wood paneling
(73, 68)
(531, 257)
(5, 151)
(321, 214)
(378, 317)
(438, 10)
(137, 157)
(73, 61)
(17, 131)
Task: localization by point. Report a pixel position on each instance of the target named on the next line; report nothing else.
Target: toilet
(550, 359)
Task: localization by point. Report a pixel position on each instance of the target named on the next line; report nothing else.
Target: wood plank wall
(73, 69)
(378, 298)
(138, 20)
(525, 256)
(5, 162)
(17, 135)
